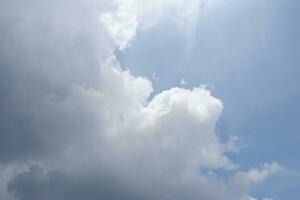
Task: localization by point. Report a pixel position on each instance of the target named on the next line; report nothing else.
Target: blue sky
(149, 99)
(248, 53)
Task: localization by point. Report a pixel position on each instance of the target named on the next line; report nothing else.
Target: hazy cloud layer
(75, 125)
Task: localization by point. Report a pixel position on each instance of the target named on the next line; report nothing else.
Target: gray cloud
(46, 49)
(36, 184)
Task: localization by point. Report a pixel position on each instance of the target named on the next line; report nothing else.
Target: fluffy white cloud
(121, 23)
(130, 15)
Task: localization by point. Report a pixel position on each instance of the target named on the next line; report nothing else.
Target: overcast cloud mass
(74, 124)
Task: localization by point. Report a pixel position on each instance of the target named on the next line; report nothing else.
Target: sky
(149, 99)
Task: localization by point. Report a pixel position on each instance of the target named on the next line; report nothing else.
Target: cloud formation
(121, 23)
(75, 125)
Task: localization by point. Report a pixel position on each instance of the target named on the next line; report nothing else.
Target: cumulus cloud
(75, 125)
(129, 16)
(121, 23)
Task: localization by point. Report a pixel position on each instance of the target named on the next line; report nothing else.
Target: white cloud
(246, 197)
(131, 15)
(121, 23)
(255, 176)
(247, 179)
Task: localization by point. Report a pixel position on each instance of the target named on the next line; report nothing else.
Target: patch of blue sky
(248, 53)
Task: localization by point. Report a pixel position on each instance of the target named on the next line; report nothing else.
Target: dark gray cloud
(46, 48)
(37, 184)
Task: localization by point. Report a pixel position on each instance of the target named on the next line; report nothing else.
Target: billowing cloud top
(75, 125)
